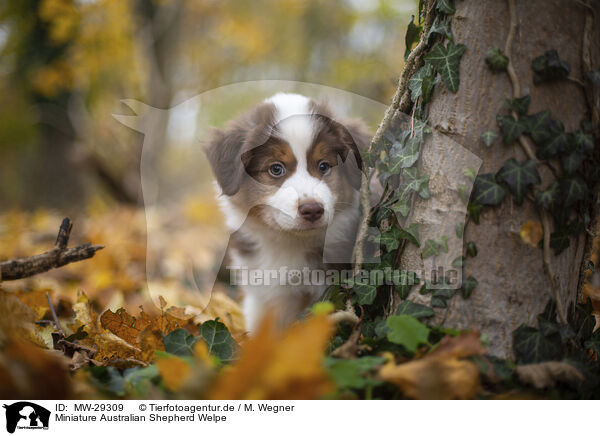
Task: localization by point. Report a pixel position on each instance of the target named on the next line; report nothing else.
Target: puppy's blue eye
(277, 170)
(324, 167)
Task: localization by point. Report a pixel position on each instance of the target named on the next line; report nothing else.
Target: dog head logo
(26, 415)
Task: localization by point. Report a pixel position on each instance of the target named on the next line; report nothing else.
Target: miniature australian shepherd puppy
(288, 175)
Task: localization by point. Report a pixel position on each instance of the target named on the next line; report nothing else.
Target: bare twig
(54, 317)
(59, 256)
(62, 239)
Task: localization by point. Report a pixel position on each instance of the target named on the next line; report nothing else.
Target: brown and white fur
(284, 206)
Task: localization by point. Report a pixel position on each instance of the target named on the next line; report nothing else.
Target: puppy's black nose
(311, 211)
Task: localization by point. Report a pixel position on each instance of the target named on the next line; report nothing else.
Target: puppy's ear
(357, 139)
(224, 153)
(226, 148)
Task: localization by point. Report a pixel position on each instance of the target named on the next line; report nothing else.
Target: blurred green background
(66, 64)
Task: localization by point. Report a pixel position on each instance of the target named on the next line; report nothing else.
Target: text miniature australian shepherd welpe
(288, 175)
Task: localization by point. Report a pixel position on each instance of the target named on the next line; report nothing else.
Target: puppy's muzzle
(311, 211)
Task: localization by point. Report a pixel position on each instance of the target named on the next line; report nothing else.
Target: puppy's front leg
(254, 311)
(281, 303)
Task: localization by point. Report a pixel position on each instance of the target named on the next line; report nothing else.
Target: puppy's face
(288, 163)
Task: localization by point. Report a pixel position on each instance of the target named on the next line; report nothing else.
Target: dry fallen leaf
(441, 374)
(532, 233)
(16, 318)
(36, 300)
(124, 340)
(22, 368)
(547, 374)
(279, 366)
(124, 325)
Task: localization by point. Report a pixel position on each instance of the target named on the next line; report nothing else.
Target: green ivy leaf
(139, 380)
(402, 206)
(470, 173)
(365, 292)
(559, 141)
(471, 249)
(413, 182)
(519, 105)
(462, 193)
(416, 81)
(573, 190)
(468, 286)
(446, 61)
(352, 374)
(511, 128)
(489, 137)
(443, 243)
(474, 210)
(537, 126)
(411, 234)
(427, 86)
(413, 32)
(486, 191)
(584, 143)
(446, 6)
(109, 378)
(549, 197)
(418, 311)
(458, 262)
(179, 342)
(441, 27)
(581, 318)
(219, 341)
(440, 297)
(518, 177)
(560, 241)
(460, 229)
(572, 161)
(438, 302)
(406, 331)
(391, 238)
(531, 346)
(431, 248)
(496, 60)
(549, 67)
(404, 154)
(404, 282)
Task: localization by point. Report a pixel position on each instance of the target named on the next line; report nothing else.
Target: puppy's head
(289, 163)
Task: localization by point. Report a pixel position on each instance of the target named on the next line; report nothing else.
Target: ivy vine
(569, 156)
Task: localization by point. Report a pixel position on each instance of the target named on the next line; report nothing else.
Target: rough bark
(513, 287)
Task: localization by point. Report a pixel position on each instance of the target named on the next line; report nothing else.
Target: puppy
(288, 176)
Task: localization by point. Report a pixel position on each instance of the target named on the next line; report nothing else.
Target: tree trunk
(513, 286)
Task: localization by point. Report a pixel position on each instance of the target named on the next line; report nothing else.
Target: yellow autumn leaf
(279, 366)
(201, 352)
(532, 233)
(441, 374)
(174, 372)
